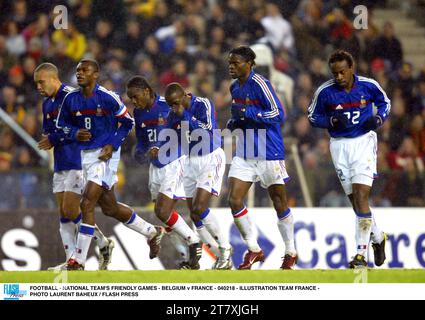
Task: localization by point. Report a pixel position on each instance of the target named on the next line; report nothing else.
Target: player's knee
(235, 202)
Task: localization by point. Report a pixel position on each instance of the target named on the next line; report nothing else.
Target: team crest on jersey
(99, 112)
(362, 102)
(160, 120)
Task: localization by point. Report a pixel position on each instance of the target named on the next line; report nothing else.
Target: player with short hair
(205, 166)
(344, 106)
(151, 115)
(91, 116)
(260, 155)
(68, 181)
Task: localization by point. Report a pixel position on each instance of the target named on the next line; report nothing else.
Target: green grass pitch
(209, 276)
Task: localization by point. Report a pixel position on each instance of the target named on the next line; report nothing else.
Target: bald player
(68, 181)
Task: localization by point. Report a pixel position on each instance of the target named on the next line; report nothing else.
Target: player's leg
(238, 190)
(125, 214)
(285, 224)
(206, 175)
(203, 232)
(91, 195)
(363, 155)
(66, 230)
(210, 221)
(69, 213)
(71, 203)
(164, 210)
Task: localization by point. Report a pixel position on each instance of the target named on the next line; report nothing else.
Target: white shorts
(167, 180)
(268, 172)
(103, 173)
(205, 172)
(68, 181)
(355, 160)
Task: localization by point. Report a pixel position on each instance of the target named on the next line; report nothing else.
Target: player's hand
(106, 152)
(372, 123)
(238, 112)
(83, 135)
(44, 143)
(153, 153)
(340, 120)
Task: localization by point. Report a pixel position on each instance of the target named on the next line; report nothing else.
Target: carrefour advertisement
(325, 239)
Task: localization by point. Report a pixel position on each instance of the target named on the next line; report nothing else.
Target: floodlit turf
(180, 276)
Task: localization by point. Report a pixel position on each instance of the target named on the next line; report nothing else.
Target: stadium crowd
(187, 41)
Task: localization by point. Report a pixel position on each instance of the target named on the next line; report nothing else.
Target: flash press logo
(12, 292)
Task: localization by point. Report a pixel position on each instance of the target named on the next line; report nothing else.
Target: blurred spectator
(6, 149)
(15, 42)
(399, 123)
(317, 71)
(8, 59)
(282, 83)
(278, 30)
(151, 48)
(115, 72)
(417, 132)
(202, 72)
(20, 13)
(340, 29)
(407, 152)
(131, 40)
(103, 33)
(38, 30)
(73, 42)
(418, 103)
(177, 73)
(388, 47)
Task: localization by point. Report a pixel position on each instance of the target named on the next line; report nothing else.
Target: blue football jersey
(149, 124)
(264, 114)
(201, 120)
(66, 152)
(100, 114)
(356, 105)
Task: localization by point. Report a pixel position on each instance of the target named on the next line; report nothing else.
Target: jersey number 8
(87, 123)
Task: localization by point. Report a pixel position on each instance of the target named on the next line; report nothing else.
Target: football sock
(211, 222)
(246, 228)
(363, 229)
(99, 238)
(177, 223)
(377, 234)
(286, 228)
(141, 226)
(67, 231)
(206, 238)
(83, 243)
